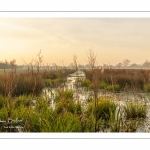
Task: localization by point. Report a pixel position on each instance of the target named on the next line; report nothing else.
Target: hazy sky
(112, 39)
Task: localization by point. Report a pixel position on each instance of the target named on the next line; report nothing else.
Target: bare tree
(126, 62)
(38, 62)
(91, 60)
(75, 62)
(119, 65)
(75, 66)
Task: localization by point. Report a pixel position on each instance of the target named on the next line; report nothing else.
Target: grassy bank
(69, 116)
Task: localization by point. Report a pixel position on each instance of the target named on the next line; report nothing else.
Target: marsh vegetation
(94, 105)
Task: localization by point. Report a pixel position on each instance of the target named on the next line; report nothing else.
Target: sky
(111, 39)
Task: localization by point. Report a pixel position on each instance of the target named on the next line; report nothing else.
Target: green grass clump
(147, 88)
(86, 83)
(135, 110)
(102, 85)
(64, 94)
(65, 103)
(3, 113)
(65, 106)
(115, 121)
(22, 101)
(41, 105)
(109, 88)
(67, 122)
(48, 82)
(3, 101)
(53, 82)
(116, 87)
(103, 110)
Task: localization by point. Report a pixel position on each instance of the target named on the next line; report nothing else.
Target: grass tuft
(135, 110)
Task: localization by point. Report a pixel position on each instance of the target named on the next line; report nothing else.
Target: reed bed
(123, 79)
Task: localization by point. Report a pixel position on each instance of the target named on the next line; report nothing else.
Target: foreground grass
(134, 110)
(69, 116)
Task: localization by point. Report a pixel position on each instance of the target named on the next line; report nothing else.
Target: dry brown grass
(128, 79)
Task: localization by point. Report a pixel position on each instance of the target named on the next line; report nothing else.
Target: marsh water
(121, 98)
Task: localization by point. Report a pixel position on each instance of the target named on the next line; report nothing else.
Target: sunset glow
(112, 39)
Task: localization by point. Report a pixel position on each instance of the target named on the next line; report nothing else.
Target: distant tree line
(8, 65)
(125, 64)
